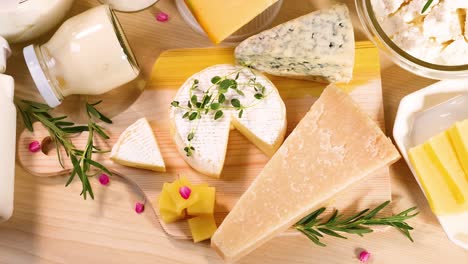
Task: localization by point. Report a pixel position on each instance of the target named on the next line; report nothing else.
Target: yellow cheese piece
(202, 227)
(167, 207)
(179, 202)
(439, 188)
(459, 136)
(170, 216)
(443, 155)
(334, 146)
(220, 18)
(206, 201)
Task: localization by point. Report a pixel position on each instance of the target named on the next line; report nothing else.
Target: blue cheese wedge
(202, 138)
(137, 147)
(318, 46)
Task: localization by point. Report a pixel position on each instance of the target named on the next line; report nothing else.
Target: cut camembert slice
(318, 46)
(334, 146)
(137, 147)
(262, 121)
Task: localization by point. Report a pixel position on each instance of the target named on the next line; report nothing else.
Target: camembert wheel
(210, 101)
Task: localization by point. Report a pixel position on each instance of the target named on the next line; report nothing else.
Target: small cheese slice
(459, 136)
(318, 46)
(220, 19)
(263, 121)
(334, 146)
(137, 147)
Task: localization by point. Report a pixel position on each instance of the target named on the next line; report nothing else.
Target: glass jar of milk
(88, 54)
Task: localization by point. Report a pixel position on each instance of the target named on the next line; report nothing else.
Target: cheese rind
(318, 46)
(334, 146)
(137, 147)
(263, 121)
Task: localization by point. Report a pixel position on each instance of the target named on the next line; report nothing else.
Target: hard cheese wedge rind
(218, 25)
(137, 147)
(263, 121)
(334, 146)
(317, 46)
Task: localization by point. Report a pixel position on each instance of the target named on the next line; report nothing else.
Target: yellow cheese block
(206, 201)
(179, 202)
(335, 145)
(202, 227)
(221, 18)
(170, 216)
(167, 207)
(440, 172)
(459, 136)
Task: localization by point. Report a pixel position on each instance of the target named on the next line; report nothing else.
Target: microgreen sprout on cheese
(212, 101)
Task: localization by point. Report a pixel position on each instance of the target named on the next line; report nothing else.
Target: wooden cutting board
(243, 162)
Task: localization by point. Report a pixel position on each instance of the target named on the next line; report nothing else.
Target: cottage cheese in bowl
(439, 35)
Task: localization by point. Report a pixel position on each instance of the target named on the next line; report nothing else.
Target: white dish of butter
(438, 36)
(422, 115)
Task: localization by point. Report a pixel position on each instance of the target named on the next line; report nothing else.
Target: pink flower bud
(139, 208)
(162, 17)
(104, 179)
(185, 192)
(364, 256)
(34, 146)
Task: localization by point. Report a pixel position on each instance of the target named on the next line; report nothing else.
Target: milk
(27, 19)
(7, 137)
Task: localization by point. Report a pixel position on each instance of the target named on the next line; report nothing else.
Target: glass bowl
(376, 34)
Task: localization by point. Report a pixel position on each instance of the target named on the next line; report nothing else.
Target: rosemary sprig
(61, 131)
(315, 228)
(214, 100)
(426, 6)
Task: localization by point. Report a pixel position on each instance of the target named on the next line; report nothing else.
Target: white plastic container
(28, 19)
(88, 54)
(129, 5)
(442, 104)
(7, 136)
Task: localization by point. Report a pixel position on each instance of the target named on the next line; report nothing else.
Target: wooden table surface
(52, 224)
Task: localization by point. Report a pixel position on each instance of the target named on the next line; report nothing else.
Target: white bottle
(7, 136)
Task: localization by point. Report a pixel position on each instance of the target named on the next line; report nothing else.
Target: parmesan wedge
(334, 146)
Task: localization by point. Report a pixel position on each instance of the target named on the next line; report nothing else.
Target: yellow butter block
(179, 202)
(459, 136)
(206, 201)
(220, 19)
(440, 175)
(202, 227)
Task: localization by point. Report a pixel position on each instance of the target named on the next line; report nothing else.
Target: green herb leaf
(258, 96)
(186, 115)
(193, 116)
(215, 106)
(359, 224)
(175, 103)
(221, 98)
(190, 136)
(426, 6)
(194, 100)
(236, 103)
(215, 79)
(240, 113)
(218, 114)
(225, 84)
